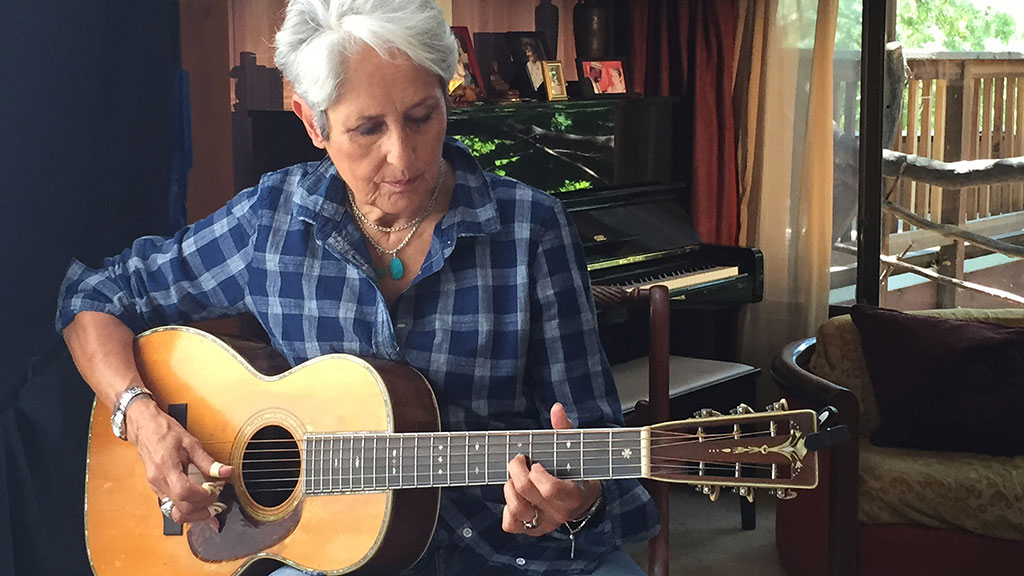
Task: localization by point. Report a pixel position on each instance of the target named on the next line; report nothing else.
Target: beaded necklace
(395, 267)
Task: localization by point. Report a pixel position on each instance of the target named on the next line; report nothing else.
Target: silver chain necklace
(395, 267)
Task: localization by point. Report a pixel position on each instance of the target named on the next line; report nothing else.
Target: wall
(204, 54)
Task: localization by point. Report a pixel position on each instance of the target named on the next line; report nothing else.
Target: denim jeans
(617, 563)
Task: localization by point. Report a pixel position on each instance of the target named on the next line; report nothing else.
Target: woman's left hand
(533, 497)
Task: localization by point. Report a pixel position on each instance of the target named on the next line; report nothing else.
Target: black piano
(639, 236)
(642, 235)
(598, 157)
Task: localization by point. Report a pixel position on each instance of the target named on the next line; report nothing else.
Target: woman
(397, 246)
(617, 82)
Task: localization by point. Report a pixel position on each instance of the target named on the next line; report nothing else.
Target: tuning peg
(783, 493)
(746, 492)
(742, 409)
(780, 406)
(711, 492)
(706, 413)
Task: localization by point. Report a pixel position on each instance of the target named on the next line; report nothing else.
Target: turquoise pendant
(396, 268)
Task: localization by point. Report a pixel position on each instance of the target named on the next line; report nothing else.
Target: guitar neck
(343, 463)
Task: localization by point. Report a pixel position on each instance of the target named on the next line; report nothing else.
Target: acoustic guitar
(340, 461)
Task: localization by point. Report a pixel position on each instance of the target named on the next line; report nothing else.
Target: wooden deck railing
(956, 106)
(949, 97)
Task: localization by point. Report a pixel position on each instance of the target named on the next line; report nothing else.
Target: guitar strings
(602, 446)
(369, 483)
(398, 436)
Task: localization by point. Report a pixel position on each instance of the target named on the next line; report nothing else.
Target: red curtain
(684, 48)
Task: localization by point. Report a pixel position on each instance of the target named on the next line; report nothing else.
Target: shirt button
(400, 325)
(468, 533)
(521, 561)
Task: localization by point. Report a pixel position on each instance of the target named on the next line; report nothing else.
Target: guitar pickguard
(240, 536)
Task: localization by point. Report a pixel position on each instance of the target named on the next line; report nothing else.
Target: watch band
(117, 419)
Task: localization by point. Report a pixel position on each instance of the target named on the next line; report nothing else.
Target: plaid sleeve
(569, 366)
(198, 273)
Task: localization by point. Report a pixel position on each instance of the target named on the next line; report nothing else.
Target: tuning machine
(706, 413)
(780, 406)
(711, 492)
(782, 493)
(745, 492)
(741, 409)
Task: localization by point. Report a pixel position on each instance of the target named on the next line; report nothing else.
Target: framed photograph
(466, 86)
(554, 80)
(528, 54)
(496, 65)
(602, 77)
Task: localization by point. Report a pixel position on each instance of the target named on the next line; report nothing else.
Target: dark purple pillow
(944, 384)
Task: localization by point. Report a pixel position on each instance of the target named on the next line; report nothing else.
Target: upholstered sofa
(882, 511)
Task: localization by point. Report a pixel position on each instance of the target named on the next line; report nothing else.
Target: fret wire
(449, 459)
(467, 457)
(320, 464)
(303, 465)
(529, 446)
(583, 472)
(330, 467)
(554, 455)
(609, 454)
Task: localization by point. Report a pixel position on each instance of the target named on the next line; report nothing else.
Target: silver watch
(126, 398)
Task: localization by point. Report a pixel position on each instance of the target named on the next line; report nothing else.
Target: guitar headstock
(744, 450)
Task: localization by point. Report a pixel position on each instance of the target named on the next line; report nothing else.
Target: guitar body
(231, 408)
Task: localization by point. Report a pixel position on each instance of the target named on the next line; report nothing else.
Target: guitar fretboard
(367, 462)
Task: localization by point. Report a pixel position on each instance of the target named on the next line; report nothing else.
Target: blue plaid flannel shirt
(499, 319)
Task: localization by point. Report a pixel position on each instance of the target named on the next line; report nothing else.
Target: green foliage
(480, 147)
(956, 25)
(571, 185)
(850, 24)
(560, 122)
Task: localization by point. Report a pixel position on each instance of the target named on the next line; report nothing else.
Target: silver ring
(166, 506)
(531, 524)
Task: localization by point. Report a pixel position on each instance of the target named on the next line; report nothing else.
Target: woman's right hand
(167, 450)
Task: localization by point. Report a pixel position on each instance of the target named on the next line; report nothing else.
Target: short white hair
(318, 37)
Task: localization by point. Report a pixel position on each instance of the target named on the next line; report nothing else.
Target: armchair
(852, 523)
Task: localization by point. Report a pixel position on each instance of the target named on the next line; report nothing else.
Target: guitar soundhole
(270, 466)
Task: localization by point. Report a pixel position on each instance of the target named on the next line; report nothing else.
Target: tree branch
(962, 174)
(950, 231)
(936, 277)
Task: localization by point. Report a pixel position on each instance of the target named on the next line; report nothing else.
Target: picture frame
(554, 81)
(467, 86)
(600, 78)
(496, 66)
(529, 51)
